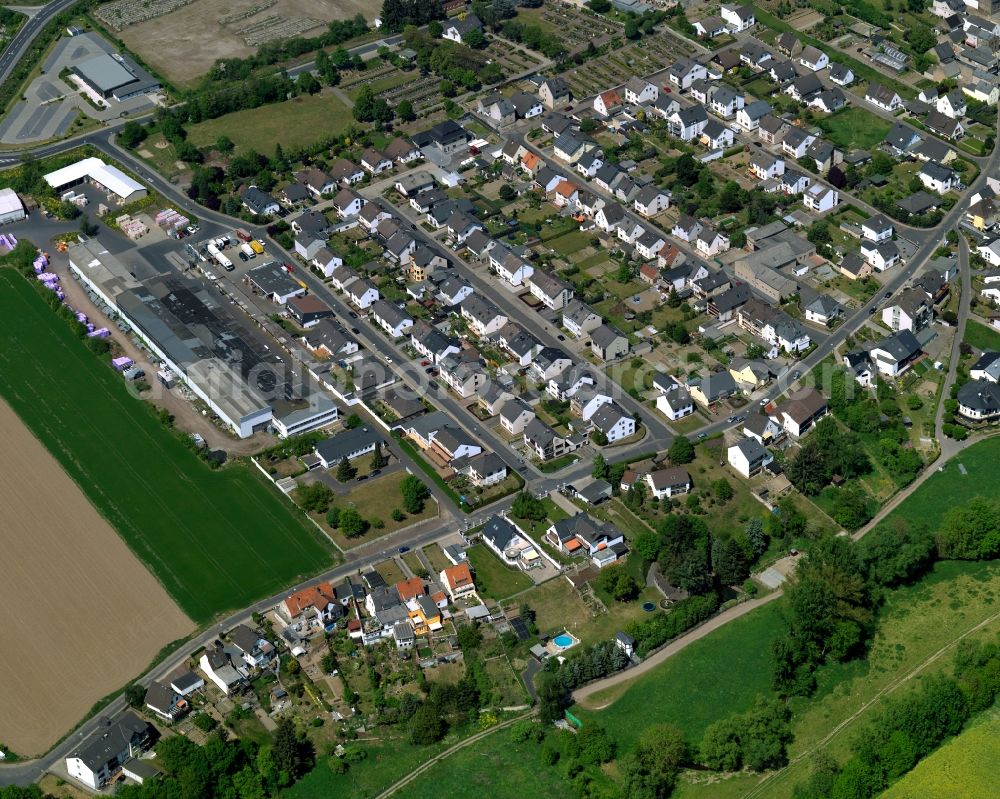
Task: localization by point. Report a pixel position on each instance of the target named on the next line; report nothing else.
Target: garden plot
(183, 39)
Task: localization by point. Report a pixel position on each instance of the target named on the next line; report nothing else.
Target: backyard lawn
(981, 337)
(299, 122)
(855, 127)
(493, 578)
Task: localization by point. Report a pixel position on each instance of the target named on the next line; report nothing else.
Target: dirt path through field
(82, 615)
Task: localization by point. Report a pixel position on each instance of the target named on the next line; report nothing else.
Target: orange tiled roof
(410, 588)
(314, 596)
(458, 576)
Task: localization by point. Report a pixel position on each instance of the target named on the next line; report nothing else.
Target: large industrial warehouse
(194, 332)
(109, 178)
(116, 77)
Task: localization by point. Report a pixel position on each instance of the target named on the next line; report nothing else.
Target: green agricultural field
(981, 337)
(980, 479)
(965, 766)
(295, 123)
(711, 679)
(855, 128)
(493, 578)
(216, 540)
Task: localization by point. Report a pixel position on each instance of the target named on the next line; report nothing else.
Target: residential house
(402, 150)
(755, 55)
(544, 442)
(607, 102)
(165, 702)
(362, 293)
(651, 200)
(390, 318)
(765, 166)
(613, 422)
(374, 161)
(97, 760)
(770, 129)
(823, 310)
(877, 229)
(840, 74)
(820, 198)
(318, 182)
(813, 58)
(909, 310)
(738, 18)
(894, 354)
(686, 228)
(447, 136)
(952, 103)
(308, 310)
(711, 242)
(317, 605)
(750, 374)
(554, 93)
(938, 178)
(669, 482)
(457, 581)
(639, 91)
(979, 400)
(901, 140)
(828, 101)
(716, 136)
(259, 202)
(804, 87)
(515, 415)
(748, 457)
(751, 114)
(688, 123)
(343, 171)
(713, 388)
(583, 534)
(685, 71)
(883, 97)
(483, 317)
(608, 344)
(796, 142)
(801, 411)
(553, 293)
(710, 27)
(945, 126)
(579, 319)
(675, 401)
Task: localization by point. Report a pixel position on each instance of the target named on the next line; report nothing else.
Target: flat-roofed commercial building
(115, 76)
(225, 363)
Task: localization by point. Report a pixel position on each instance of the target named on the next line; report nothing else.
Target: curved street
(660, 433)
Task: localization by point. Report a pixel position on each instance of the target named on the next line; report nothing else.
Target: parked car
(403, 549)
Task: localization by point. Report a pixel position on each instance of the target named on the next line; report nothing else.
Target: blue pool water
(649, 607)
(563, 640)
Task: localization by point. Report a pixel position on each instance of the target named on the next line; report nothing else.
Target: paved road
(24, 37)
(26, 773)
(964, 304)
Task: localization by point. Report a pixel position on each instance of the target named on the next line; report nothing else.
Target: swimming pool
(649, 607)
(563, 640)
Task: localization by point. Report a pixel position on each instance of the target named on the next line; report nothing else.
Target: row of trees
(557, 681)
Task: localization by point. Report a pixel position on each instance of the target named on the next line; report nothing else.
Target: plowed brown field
(81, 615)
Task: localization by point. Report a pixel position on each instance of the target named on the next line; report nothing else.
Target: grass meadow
(217, 540)
(981, 337)
(295, 123)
